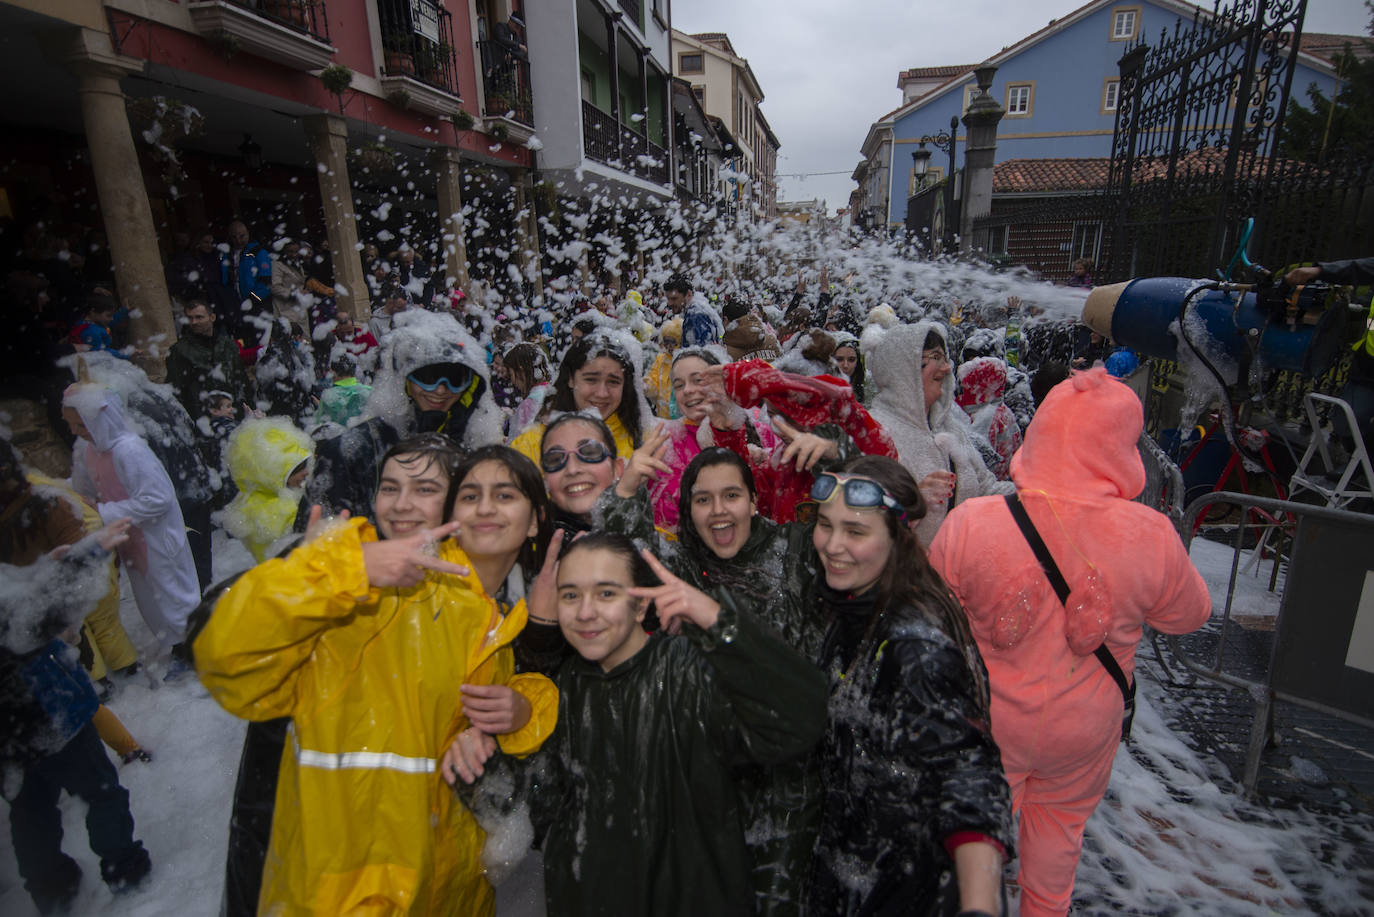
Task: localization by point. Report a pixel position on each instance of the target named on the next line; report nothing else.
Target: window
(969, 92)
(690, 63)
(1086, 238)
(1019, 98)
(700, 93)
(995, 240)
(589, 86)
(1110, 89)
(1125, 23)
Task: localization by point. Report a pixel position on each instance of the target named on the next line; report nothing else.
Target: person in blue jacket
(246, 271)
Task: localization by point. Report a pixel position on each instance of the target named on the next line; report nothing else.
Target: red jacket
(808, 402)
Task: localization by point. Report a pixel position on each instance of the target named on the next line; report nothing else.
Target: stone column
(527, 232)
(448, 172)
(980, 151)
(119, 185)
(329, 142)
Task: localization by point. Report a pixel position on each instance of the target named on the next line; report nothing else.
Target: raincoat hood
(892, 359)
(263, 452)
(101, 410)
(982, 380)
(1082, 440)
(420, 339)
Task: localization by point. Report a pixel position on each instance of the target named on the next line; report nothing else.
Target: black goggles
(859, 493)
(589, 452)
(454, 375)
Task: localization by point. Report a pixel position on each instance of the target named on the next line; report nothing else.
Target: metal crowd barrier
(1323, 651)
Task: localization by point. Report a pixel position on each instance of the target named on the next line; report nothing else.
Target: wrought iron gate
(1195, 146)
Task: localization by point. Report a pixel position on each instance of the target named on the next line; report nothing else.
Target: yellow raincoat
(364, 823)
(261, 454)
(527, 443)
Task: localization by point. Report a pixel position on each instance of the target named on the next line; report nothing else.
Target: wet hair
(429, 449)
(701, 353)
(22, 528)
(690, 539)
(579, 355)
(641, 574)
(678, 283)
(343, 366)
(216, 400)
(529, 362)
(603, 432)
(737, 306)
(530, 483)
(198, 304)
(908, 582)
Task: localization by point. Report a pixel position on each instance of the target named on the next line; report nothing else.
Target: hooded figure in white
(932, 433)
(453, 398)
(114, 467)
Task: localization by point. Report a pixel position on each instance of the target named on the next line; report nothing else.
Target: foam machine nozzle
(1287, 327)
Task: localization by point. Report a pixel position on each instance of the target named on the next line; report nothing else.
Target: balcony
(420, 68)
(620, 147)
(509, 103)
(290, 32)
(631, 8)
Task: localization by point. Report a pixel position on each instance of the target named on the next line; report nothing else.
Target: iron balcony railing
(631, 8)
(417, 40)
(506, 76)
(621, 147)
(307, 16)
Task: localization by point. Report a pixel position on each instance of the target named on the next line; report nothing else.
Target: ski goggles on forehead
(589, 452)
(454, 375)
(859, 493)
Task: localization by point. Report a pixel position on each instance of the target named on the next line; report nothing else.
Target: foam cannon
(1288, 328)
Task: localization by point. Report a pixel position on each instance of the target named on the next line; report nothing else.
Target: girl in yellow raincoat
(383, 653)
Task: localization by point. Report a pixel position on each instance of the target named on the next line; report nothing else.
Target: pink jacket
(684, 444)
(1076, 474)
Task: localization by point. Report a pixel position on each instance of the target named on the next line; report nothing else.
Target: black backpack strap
(1038, 546)
(1061, 589)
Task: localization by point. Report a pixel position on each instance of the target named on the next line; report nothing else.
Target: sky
(828, 70)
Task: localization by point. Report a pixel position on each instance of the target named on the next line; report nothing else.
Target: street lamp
(946, 142)
(920, 164)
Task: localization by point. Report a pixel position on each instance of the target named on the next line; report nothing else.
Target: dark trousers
(83, 770)
(250, 825)
(197, 519)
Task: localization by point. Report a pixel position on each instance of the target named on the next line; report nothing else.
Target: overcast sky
(829, 69)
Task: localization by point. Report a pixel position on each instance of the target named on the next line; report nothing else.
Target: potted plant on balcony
(375, 157)
(399, 61)
(431, 58)
(288, 11)
(464, 120)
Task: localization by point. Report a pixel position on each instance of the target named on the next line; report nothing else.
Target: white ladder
(1340, 494)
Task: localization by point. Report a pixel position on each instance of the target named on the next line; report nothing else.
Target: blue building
(1057, 86)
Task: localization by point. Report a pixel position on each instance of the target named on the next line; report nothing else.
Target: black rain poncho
(644, 816)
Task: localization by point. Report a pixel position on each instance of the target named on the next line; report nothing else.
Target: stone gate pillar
(980, 152)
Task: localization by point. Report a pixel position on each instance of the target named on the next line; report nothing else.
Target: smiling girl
(385, 650)
(599, 373)
(917, 813)
(644, 815)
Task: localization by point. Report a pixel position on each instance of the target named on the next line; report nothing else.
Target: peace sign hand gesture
(541, 604)
(403, 561)
(675, 600)
(646, 463)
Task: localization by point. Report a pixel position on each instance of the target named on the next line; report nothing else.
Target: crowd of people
(715, 584)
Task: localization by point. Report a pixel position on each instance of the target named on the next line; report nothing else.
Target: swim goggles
(859, 493)
(454, 375)
(589, 452)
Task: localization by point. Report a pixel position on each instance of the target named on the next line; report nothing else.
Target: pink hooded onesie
(1056, 712)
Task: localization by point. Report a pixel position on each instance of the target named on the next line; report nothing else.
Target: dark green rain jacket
(642, 811)
(774, 572)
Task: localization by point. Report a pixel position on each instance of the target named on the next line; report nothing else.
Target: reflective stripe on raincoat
(364, 823)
